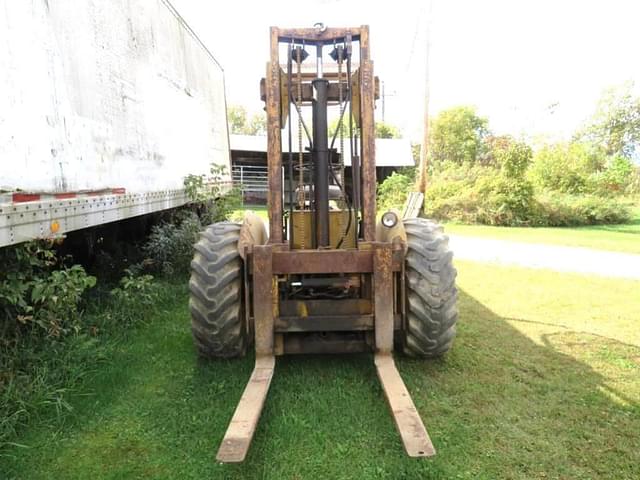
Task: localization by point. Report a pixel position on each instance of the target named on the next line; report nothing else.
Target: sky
(535, 68)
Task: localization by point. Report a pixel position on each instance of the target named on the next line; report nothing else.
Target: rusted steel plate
(248, 310)
(331, 343)
(327, 261)
(414, 435)
(347, 306)
(313, 35)
(324, 323)
(263, 301)
(322, 261)
(237, 439)
(383, 298)
(274, 145)
(368, 160)
(333, 94)
(365, 52)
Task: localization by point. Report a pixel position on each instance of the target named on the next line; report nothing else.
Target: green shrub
(616, 176)
(580, 168)
(560, 210)
(633, 183)
(491, 199)
(489, 196)
(475, 194)
(566, 167)
(134, 295)
(393, 191)
(40, 370)
(514, 159)
(504, 201)
(41, 302)
(169, 248)
(38, 294)
(214, 202)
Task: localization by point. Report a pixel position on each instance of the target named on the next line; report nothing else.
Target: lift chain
(301, 193)
(340, 51)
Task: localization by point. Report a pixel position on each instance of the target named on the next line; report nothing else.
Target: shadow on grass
(627, 228)
(499, 405)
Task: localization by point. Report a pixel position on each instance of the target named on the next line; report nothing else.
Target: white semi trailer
(105, 107)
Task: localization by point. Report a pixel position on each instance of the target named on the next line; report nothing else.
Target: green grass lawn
(543, 382)
(617, 238)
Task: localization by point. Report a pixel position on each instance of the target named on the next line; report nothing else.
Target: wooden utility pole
(424, 159)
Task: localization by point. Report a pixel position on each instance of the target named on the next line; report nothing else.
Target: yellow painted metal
(338, 220)
(385, 234)
(253, 232)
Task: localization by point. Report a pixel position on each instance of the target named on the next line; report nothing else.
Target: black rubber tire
(215, 289)
(430, 326)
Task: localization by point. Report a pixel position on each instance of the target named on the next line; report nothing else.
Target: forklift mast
(329, 81)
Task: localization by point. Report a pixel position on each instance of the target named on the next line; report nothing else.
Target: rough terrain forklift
(327, 278)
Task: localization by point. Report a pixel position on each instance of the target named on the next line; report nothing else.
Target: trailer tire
(431, 295)
(215, 288)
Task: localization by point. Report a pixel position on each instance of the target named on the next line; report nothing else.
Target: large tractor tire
(431, 293)
(216, 293)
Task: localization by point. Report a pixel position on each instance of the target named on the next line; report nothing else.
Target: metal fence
(250, 178)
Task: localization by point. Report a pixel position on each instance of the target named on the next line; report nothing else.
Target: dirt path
(559, 258)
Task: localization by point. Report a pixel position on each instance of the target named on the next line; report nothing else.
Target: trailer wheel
(431, 294)
(216, 293)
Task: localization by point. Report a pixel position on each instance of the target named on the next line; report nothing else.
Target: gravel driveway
(559, 258)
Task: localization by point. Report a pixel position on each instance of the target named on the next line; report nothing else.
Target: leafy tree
(514, 160)
(457, 136)
(385, 130)
(615, 126)
(566, 167)
(257, 125)
(237, 119)
(382, 130)
(240, 124)
(616, 177)
(493, 146)
(392, 193)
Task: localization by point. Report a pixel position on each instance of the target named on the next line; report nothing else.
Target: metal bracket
(414, 435)
(237, 439)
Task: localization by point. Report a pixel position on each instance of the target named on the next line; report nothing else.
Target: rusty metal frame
(367, 87)
(331, 261)
(274, 139)
(324, 323)
(368, 162)
(269, 326)
(378, 262)
(237, 439)
(307, 90)
(326, 36)
(412, 431)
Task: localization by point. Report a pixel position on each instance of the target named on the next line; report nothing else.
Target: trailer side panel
(105, 94)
